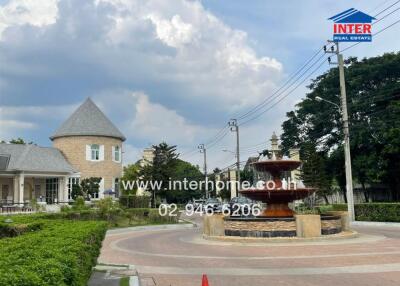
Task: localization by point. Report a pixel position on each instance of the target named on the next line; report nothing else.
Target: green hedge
(132, 201)
(383, 212)
(147, 215)
(12, 230)
(151, 215)
(63, 252)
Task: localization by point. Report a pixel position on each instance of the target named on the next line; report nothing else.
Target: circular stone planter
(260, 227)
(331, 224)
(267, 227)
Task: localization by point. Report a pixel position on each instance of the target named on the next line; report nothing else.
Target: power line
(290, 92)
(257, 107)
(267, 100)
(387, 8)
(272, 97)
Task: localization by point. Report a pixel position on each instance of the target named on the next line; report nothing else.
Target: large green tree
(373, 93)
(131, 173)
(179, 193)
(314, 172)
(159, 171)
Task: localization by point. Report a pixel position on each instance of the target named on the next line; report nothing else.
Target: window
(4, 192)
(51, 190)
(116, 187)
(117, 154)
(38, 190)
(95, 152)
(96, 195)
(71, 182)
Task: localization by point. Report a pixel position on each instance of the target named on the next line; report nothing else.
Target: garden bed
(62, 252)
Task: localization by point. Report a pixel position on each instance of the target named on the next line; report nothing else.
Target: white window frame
(94, 153)
(115, 186)
(72, 181)
(116, 150)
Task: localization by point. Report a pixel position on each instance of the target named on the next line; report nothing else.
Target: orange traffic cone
(204, 281)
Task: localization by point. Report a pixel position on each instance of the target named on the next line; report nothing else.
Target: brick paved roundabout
(179, 257)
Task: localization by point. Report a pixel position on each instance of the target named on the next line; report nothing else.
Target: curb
(346, 235)
(151, 227)
(375, 223)
(134, 281)
(109, 267)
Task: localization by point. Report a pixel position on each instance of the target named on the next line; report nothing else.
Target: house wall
(29, 188)
(74, 149)
(10, 183)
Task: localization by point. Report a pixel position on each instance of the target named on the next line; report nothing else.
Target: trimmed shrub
(339, 207)
(63, 252)
(132, 201)
(384, 212)
(150, 215)
(12, 230)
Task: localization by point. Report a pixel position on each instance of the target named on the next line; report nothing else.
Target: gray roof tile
(88, 120)
(33, 158)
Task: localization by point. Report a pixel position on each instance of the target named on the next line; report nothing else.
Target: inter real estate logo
(352, 26)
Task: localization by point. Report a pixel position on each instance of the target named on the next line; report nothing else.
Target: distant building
(147, 159)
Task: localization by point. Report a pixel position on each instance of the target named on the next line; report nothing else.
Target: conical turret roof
(88, 120)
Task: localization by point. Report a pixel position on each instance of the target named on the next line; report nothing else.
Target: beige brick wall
(74, 149)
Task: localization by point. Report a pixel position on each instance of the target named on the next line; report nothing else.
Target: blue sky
(163, 70)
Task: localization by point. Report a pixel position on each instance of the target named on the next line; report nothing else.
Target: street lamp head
(317, 98)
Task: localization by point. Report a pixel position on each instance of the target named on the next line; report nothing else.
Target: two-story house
(86, 145)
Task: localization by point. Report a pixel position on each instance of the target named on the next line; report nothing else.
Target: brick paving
(180, 257)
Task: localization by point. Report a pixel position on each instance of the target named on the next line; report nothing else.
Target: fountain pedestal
(273, 194)
(277, 210)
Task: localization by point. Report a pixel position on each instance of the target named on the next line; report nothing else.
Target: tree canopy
(373, 93)
(165, 168)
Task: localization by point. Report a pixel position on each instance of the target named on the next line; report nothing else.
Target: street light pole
(203, 150)
(331, 102)
(235, 128)
(345, 118)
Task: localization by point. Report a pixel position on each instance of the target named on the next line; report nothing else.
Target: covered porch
(21, 189)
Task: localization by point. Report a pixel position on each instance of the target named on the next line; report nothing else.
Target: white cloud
(203, 54)
(155, 122)
(131, 154)
(175, 32)
(15, 120)
(193, 68)
(45, 111)
(32, 12)
(13, 128)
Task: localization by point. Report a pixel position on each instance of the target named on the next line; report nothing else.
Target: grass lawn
(124, 281)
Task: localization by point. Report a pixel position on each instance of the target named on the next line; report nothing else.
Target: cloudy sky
(173, 71)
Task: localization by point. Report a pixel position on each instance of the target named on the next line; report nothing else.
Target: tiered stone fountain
(276, 195)
(278, 219)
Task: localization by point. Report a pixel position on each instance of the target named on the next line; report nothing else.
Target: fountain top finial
(274, 142)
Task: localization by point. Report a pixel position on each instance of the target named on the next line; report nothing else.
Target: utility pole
(235, 128)
(345, 118)
(203, 150)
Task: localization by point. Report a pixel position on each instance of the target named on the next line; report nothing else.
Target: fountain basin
(277, 200)
(262, 226)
